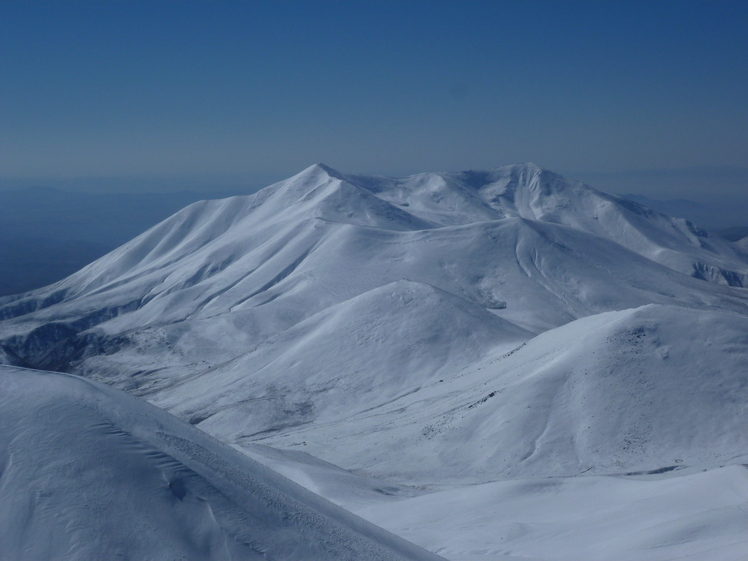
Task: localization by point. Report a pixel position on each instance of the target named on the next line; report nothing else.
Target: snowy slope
(654, 388)
(658, 517)
(701, 516)
(91, 473)
(357, 355)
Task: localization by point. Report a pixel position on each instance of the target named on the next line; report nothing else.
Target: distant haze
(714, 198)
(47, 234)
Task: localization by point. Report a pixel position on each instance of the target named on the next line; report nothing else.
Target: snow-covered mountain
(438, 330)
(328, 295)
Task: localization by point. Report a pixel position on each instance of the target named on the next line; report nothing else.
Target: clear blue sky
(263, 89)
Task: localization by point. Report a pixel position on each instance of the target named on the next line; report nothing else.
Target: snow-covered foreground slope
(702, 516)
(657, 517)
(87, 472)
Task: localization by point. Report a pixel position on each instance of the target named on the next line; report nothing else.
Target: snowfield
(698, 516)
(493, 364)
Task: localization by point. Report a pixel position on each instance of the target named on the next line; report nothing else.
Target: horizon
(693, 183)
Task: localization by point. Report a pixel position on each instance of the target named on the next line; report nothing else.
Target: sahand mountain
(440, 330)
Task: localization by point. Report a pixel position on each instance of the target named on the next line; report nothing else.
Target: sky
(629, 96)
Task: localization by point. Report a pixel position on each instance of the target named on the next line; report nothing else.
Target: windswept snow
(91, 473)
(675, 514)
(701, 516)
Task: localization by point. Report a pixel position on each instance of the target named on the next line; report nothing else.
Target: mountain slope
(89, 472)
(357, 355)
(653, 388)
(208, 237)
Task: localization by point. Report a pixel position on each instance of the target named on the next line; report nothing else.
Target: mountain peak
(529, 166)
(321, 170)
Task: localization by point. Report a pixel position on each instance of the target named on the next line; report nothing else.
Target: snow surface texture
(699, 516)
(91, 473)
(428, 333)
(664, 516)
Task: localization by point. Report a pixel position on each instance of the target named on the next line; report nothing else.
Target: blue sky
(256, 91)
